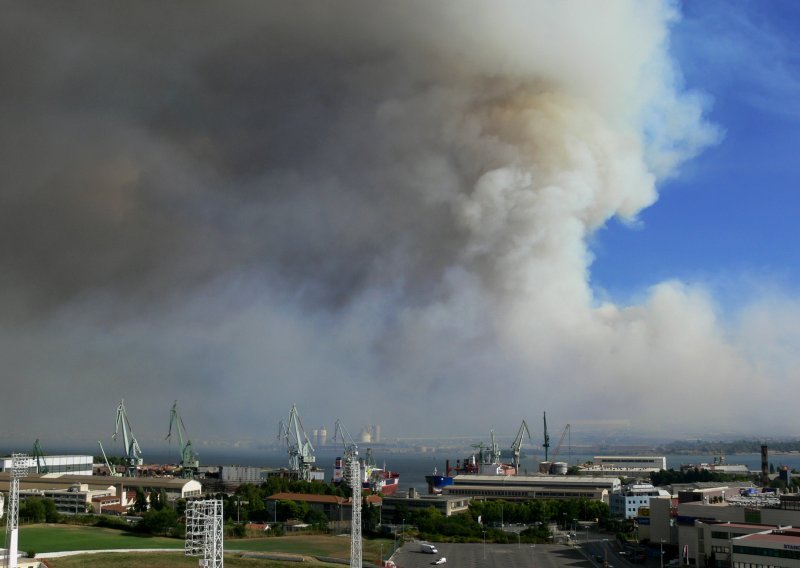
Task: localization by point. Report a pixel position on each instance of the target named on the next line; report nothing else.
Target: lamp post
(605, 551)
(533, 554)
(661, 549)
(484, 545)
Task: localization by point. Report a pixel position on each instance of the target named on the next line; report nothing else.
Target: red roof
(310, 498)
(788, 537)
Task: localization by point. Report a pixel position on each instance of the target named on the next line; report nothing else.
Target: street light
(605, 551)
(484, 545)
(661, 548)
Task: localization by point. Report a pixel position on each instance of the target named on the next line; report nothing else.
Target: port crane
(350, 446)
(516, 446)
(38, 454)
(354, 480)
(495, 451)
(133, 453)
(111, 470)
(301, 452)
(189, 458)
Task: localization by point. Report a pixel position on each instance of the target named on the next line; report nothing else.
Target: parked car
(442, 560)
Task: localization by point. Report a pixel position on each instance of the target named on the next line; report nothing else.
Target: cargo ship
(373, 479)
(483, 463)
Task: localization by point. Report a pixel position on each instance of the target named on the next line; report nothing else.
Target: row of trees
(38, 510)
(482, 516)
(671, 476)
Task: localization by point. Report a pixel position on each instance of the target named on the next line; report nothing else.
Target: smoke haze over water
(380, 211)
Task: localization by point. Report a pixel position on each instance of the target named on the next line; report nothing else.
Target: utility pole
(19, 469)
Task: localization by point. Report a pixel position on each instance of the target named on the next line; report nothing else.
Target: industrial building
(174, 488)
(65, 464)
(627, 503)
(531, 487)
(334, 507)
(682, 521)
(774, 548)
(410, 500)
(74, 500)
(638, 467)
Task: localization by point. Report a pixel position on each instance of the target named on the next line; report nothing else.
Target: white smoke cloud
(378, 211)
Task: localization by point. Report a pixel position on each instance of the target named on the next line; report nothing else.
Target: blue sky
(730, 216)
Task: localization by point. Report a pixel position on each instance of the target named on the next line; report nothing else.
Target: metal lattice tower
(204, 532)
(355, 531)
(19, 469)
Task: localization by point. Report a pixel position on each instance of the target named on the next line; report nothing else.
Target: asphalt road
(589, 549)
(493, 556)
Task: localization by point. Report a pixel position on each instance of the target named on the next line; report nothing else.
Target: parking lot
(493, 556)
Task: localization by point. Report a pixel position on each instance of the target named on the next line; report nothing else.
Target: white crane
(517, 445)
(133, 453)
(301, 452)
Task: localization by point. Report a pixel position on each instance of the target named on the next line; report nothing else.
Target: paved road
(494, 556)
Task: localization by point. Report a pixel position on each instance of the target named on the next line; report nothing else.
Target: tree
(50, 512)
(140, 503)
(155, 500)
(33, 508)
(159, 522)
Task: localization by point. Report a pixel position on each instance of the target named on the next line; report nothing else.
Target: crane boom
(189, 458)
(111, 471)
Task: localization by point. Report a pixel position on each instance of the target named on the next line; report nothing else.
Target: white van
(428, 548)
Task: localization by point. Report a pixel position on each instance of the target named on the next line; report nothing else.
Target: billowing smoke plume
(379, 211)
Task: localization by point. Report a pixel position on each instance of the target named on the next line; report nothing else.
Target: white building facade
(66, 465)
(625, 505)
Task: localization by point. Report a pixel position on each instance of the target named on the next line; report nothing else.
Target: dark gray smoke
(378, 211)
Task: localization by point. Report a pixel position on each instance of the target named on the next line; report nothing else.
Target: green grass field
(53, 538)
(173, 560)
